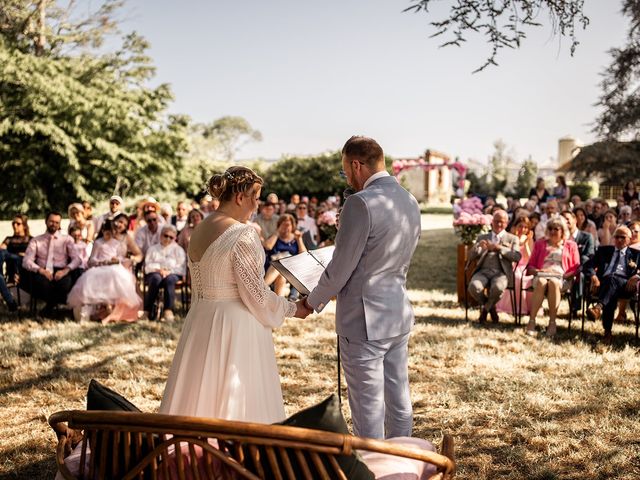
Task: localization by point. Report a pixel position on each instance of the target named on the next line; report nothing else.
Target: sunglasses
(619, 237)
(554, 229)
(16, 223)
(168, 236)
(152, 219)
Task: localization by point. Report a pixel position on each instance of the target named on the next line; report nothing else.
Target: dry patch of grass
(519, 408)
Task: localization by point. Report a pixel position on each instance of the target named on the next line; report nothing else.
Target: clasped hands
(490, 246)
(303, 309)
(51, 276)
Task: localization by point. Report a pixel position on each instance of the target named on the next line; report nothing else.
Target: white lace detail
(233, 267)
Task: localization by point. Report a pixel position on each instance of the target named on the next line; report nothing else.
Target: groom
(379, 231)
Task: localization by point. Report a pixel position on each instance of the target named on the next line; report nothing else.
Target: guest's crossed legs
(611, 289)
(378, 385)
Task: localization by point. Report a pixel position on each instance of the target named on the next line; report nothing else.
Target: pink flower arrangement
(469, 221)
(327, 224)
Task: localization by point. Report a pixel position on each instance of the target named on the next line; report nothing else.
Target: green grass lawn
(518, 407)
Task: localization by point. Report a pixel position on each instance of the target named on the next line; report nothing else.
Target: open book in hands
(303, 271)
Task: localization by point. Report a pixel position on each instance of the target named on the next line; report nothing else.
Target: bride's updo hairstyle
(235, 180)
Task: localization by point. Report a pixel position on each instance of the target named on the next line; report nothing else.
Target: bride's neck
(229, 211)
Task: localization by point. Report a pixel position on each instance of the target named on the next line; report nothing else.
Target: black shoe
(494, 315)
(13, 307)
(46, 312)
(483, 315)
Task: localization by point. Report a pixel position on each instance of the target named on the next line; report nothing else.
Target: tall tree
(503, 22)
(526, 178)
(229, 134)
(75, 125)
(620, 99)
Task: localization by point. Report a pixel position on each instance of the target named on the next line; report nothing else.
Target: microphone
(347, 192)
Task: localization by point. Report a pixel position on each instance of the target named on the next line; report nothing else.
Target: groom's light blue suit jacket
(379, 231)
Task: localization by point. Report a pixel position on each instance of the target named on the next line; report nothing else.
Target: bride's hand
(301, 309)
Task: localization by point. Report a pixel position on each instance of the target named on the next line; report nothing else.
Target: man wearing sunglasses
(379, 231)
(614, 274)
(148, 234)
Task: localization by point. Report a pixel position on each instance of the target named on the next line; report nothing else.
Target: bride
(225, 365)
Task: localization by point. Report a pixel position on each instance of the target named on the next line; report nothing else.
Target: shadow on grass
(92, 338)
(433, 266)
(43, 468)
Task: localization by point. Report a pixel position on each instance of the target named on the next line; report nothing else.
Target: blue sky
(310, 74)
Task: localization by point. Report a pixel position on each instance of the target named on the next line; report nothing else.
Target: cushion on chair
(390, 467)
(327, 416)
(100, 397)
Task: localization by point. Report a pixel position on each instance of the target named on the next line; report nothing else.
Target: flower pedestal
(463, 253)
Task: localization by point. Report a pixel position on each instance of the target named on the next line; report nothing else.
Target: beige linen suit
(493, 270)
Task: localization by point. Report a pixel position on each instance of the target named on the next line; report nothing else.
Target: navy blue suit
(612, 286)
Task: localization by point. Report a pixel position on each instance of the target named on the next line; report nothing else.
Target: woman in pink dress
(107, 286)
(521, 229)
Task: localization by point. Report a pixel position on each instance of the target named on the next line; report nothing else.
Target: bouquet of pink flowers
(327, 225)
(469, 221)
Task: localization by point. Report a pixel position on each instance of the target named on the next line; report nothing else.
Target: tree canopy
(503, 23)
(78, 125)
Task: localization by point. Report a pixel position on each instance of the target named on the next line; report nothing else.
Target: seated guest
(88, 212)
(630, 193)
(51, 264)
(496, 252)
(576, 201)
(525, 236)
(306, 223)
(11, 252)
(561, 191)
(267, 220)
(551, 210)
(108, 285)
(149, 234)
(166, 212)
(634, 244)
(82, 248)
(181, 218)
(554, 262)
(129, 253)
(193, 220)
(286, 241)
(586, 250)
(13, 247)
(624, 215)
(539, 191)
(77, 218)
(586, 225)
(598, 207)
(609, 224)
(165, 264)
(613, 273)
(116, 206)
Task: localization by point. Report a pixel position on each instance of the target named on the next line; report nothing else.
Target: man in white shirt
(115, 208)
(164, 265)
(149, 234)
(267, 219)
(305, 222)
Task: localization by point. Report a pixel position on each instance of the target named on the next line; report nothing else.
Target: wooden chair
(182, 286)
(566, 295)
(170, 446)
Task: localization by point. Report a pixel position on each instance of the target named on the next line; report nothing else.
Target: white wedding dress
(225, 364)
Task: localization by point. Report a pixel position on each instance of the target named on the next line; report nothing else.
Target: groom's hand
(302, 308)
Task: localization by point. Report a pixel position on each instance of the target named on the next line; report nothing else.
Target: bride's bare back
(208, 232)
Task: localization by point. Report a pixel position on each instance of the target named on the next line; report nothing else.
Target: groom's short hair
(364, 149)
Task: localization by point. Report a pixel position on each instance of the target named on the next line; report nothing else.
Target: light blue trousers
(378, 385)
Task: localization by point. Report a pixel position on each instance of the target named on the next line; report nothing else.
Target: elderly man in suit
(379, 231)
(614, 274)
(496, 252)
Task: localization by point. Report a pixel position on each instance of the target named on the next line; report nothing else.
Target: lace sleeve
(248, 267)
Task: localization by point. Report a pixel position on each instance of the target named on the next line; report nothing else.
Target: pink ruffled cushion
(390, 467)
